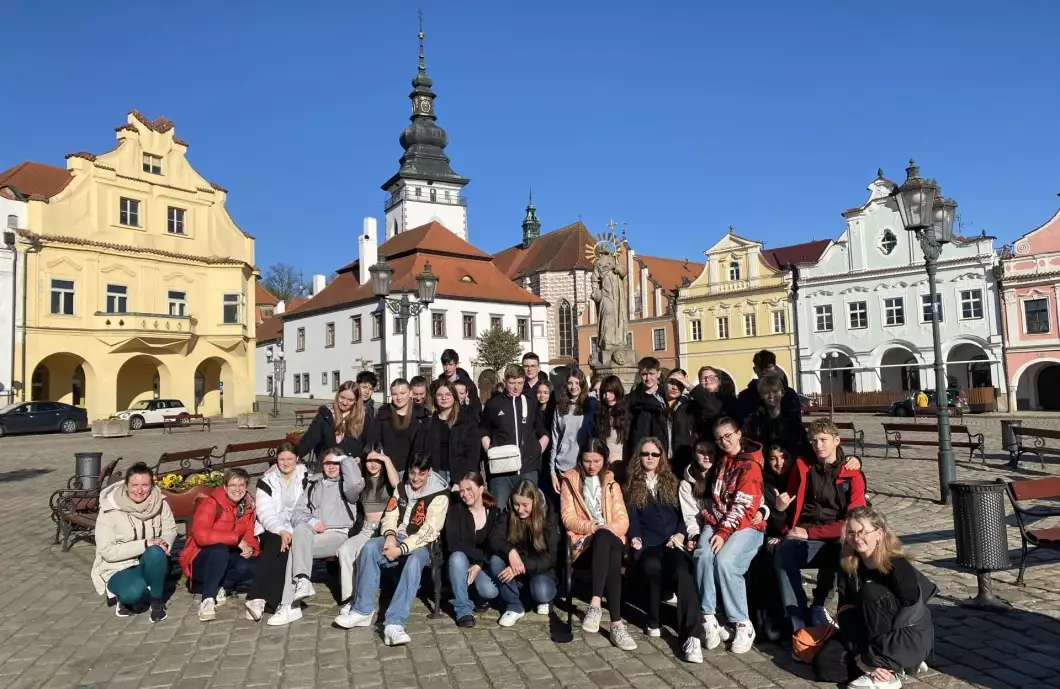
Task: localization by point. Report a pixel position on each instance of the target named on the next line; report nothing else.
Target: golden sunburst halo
(606, 242)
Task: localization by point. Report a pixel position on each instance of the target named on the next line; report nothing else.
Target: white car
(150, 412)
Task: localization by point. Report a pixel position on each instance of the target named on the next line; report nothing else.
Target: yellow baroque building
(740, 304)
(135, 282)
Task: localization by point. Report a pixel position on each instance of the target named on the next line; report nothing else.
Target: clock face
(425, 106)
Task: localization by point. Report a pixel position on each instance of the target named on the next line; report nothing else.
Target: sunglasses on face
(651, 454)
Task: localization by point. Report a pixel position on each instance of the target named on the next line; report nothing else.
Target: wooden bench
(932, 413)
(894, 431)
(301, 415)
(855, 437)
(185, 462)
(255, 457)
(185, 421)
(74, 509)
(1048, 537)
(1041, 438)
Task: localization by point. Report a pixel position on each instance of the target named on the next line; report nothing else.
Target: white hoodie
(275, 499)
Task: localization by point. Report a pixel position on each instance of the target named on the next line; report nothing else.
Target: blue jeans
(217, 566)
(542, 587)
(132, 585)
(794, 555)
(501, 487)
(484, 585)
(369, 564)
(726, 570)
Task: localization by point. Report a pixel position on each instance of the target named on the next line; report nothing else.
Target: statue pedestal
(621, 362)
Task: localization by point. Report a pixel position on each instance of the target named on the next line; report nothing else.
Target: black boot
(158, 610)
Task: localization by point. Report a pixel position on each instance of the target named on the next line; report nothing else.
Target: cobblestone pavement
(56, 632)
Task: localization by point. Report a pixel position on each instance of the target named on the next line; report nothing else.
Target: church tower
(425, 188)
(531, 225)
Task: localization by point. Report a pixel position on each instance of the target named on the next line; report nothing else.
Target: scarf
(150, 508)
(591, 493)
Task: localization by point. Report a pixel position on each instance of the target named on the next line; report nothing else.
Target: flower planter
(293, 438)
(183, 504)
(110, 428)
(252, 420)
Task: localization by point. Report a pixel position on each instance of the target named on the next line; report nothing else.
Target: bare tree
(284, 281)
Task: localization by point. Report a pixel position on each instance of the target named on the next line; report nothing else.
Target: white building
(13, 213)
(864, 308)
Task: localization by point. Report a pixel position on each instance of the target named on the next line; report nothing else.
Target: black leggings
(604, 555)
(272, 566)
(871, 619)
(662, 565)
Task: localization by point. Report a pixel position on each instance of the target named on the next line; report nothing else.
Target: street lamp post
(279, 370)
(832, 356)
(929, 216)
(404, 308)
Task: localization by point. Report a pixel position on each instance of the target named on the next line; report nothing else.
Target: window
(427, 372)
(894, 311)
(522, 329)
(417, 191)
(496, 322)
(1036, 311)
(324, 378)
(437, 324)
(629, 339)
(178, 303)
(971, 303)
(434, 195)
(63, 297)
(297, 384)
(129, 212)
(334, 381)
(380, 373)
(925, 307)
(231, 308)
(117, 299)
(398, 325)
(750, 327)
(355, 326)
(887, 242)
(734, 270)
(859, 314)
(535, 284)
(268, 385)
(469, 326)
(723, 328)
(566, 329)
(658, 339)
(300, 340)
(152, 164)
(377, 326)
(638, 303)
(329, 335)
(305, 382)
(696, 330)
(175, 218)
(780, 322)
(823, 318)
(594, 346)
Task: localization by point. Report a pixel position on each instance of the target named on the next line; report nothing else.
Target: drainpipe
(677, 330)
(999, 278)
(35, 247)
(9, 241)
(795, 325)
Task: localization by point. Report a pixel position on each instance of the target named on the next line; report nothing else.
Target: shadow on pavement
(22, 474)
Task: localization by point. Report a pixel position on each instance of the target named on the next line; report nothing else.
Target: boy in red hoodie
(823, 491)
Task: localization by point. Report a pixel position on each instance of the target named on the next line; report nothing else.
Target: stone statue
(609, 293)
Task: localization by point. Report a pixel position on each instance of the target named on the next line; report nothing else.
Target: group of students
(691, 490)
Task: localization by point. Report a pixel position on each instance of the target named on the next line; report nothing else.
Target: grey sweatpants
(306, 545)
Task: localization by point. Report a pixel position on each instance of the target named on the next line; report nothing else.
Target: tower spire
(531, 225)
(423, 62)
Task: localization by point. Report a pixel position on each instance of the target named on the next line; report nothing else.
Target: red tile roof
(669, 273)
(432, 238)
(556, 251)
(270, 330)
(36, 179)
(785, 256)
(263, 297)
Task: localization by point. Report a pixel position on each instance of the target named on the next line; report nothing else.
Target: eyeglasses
(710, 378)
(725, 437)
(860, 535)
(651, 454)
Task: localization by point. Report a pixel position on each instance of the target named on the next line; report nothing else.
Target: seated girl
(468, 525)
(594, 514)
(525, 543)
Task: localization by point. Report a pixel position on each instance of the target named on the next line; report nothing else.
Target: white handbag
(504, 459)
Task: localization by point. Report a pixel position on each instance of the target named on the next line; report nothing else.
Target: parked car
(36, 417)
(955, 398)
(150, 412)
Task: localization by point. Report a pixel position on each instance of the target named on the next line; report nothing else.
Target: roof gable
(1042, 239)
(732, 242)
(430, 238)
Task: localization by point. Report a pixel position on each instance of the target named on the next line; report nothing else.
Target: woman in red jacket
(221, 550)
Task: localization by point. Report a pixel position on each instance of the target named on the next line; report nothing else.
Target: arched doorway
(1048, 388)
(210, 377)
(142, 377)
(967, 375)
(899, 371)
(61, 377)
(837, 372)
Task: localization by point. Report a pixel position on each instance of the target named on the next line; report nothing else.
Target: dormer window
(152, 164)
(434, 196)
(887, 242)
(734, 270)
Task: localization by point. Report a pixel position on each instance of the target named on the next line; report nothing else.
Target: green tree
(498, 347)
(284, 281)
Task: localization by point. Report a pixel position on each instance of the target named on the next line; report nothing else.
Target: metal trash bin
(1009, 442)
(87, 466)
(982, 539)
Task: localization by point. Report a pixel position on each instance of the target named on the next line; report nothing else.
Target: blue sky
(677, 118)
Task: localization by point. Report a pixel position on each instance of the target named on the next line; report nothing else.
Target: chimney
(319, 283)
(280, 307)
(367, 251)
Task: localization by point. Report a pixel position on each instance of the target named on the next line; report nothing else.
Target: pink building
(1030, 313)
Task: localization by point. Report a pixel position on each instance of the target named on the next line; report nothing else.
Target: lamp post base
(985, 599)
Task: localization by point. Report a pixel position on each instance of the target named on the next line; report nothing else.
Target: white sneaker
(866, 682)
(395, 635)
(352, 618)
(621, 637)
(207, 610)
(653, 632)
(745, 637)
(673, 600)
(285, 614)
(693, 650)
(222, 597)
(303, 588)
(819, 617)
(509, 618)
(255, 609)
(543, 609)
(591, 622)
(712, 630)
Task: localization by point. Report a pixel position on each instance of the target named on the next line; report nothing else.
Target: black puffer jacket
(398, 444)
(320, 436)
(536, 561)
(463, 443)
(785, 430)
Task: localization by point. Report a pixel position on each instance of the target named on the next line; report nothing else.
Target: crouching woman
(134, 532)
(885, 625)
(468, 525)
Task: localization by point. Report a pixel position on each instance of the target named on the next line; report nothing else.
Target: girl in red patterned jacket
(726, 499)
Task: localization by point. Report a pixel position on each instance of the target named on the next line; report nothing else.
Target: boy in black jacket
(512, 419)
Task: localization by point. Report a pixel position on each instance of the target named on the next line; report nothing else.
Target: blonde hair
(819, 426)
(352, 424)
(889, 546)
